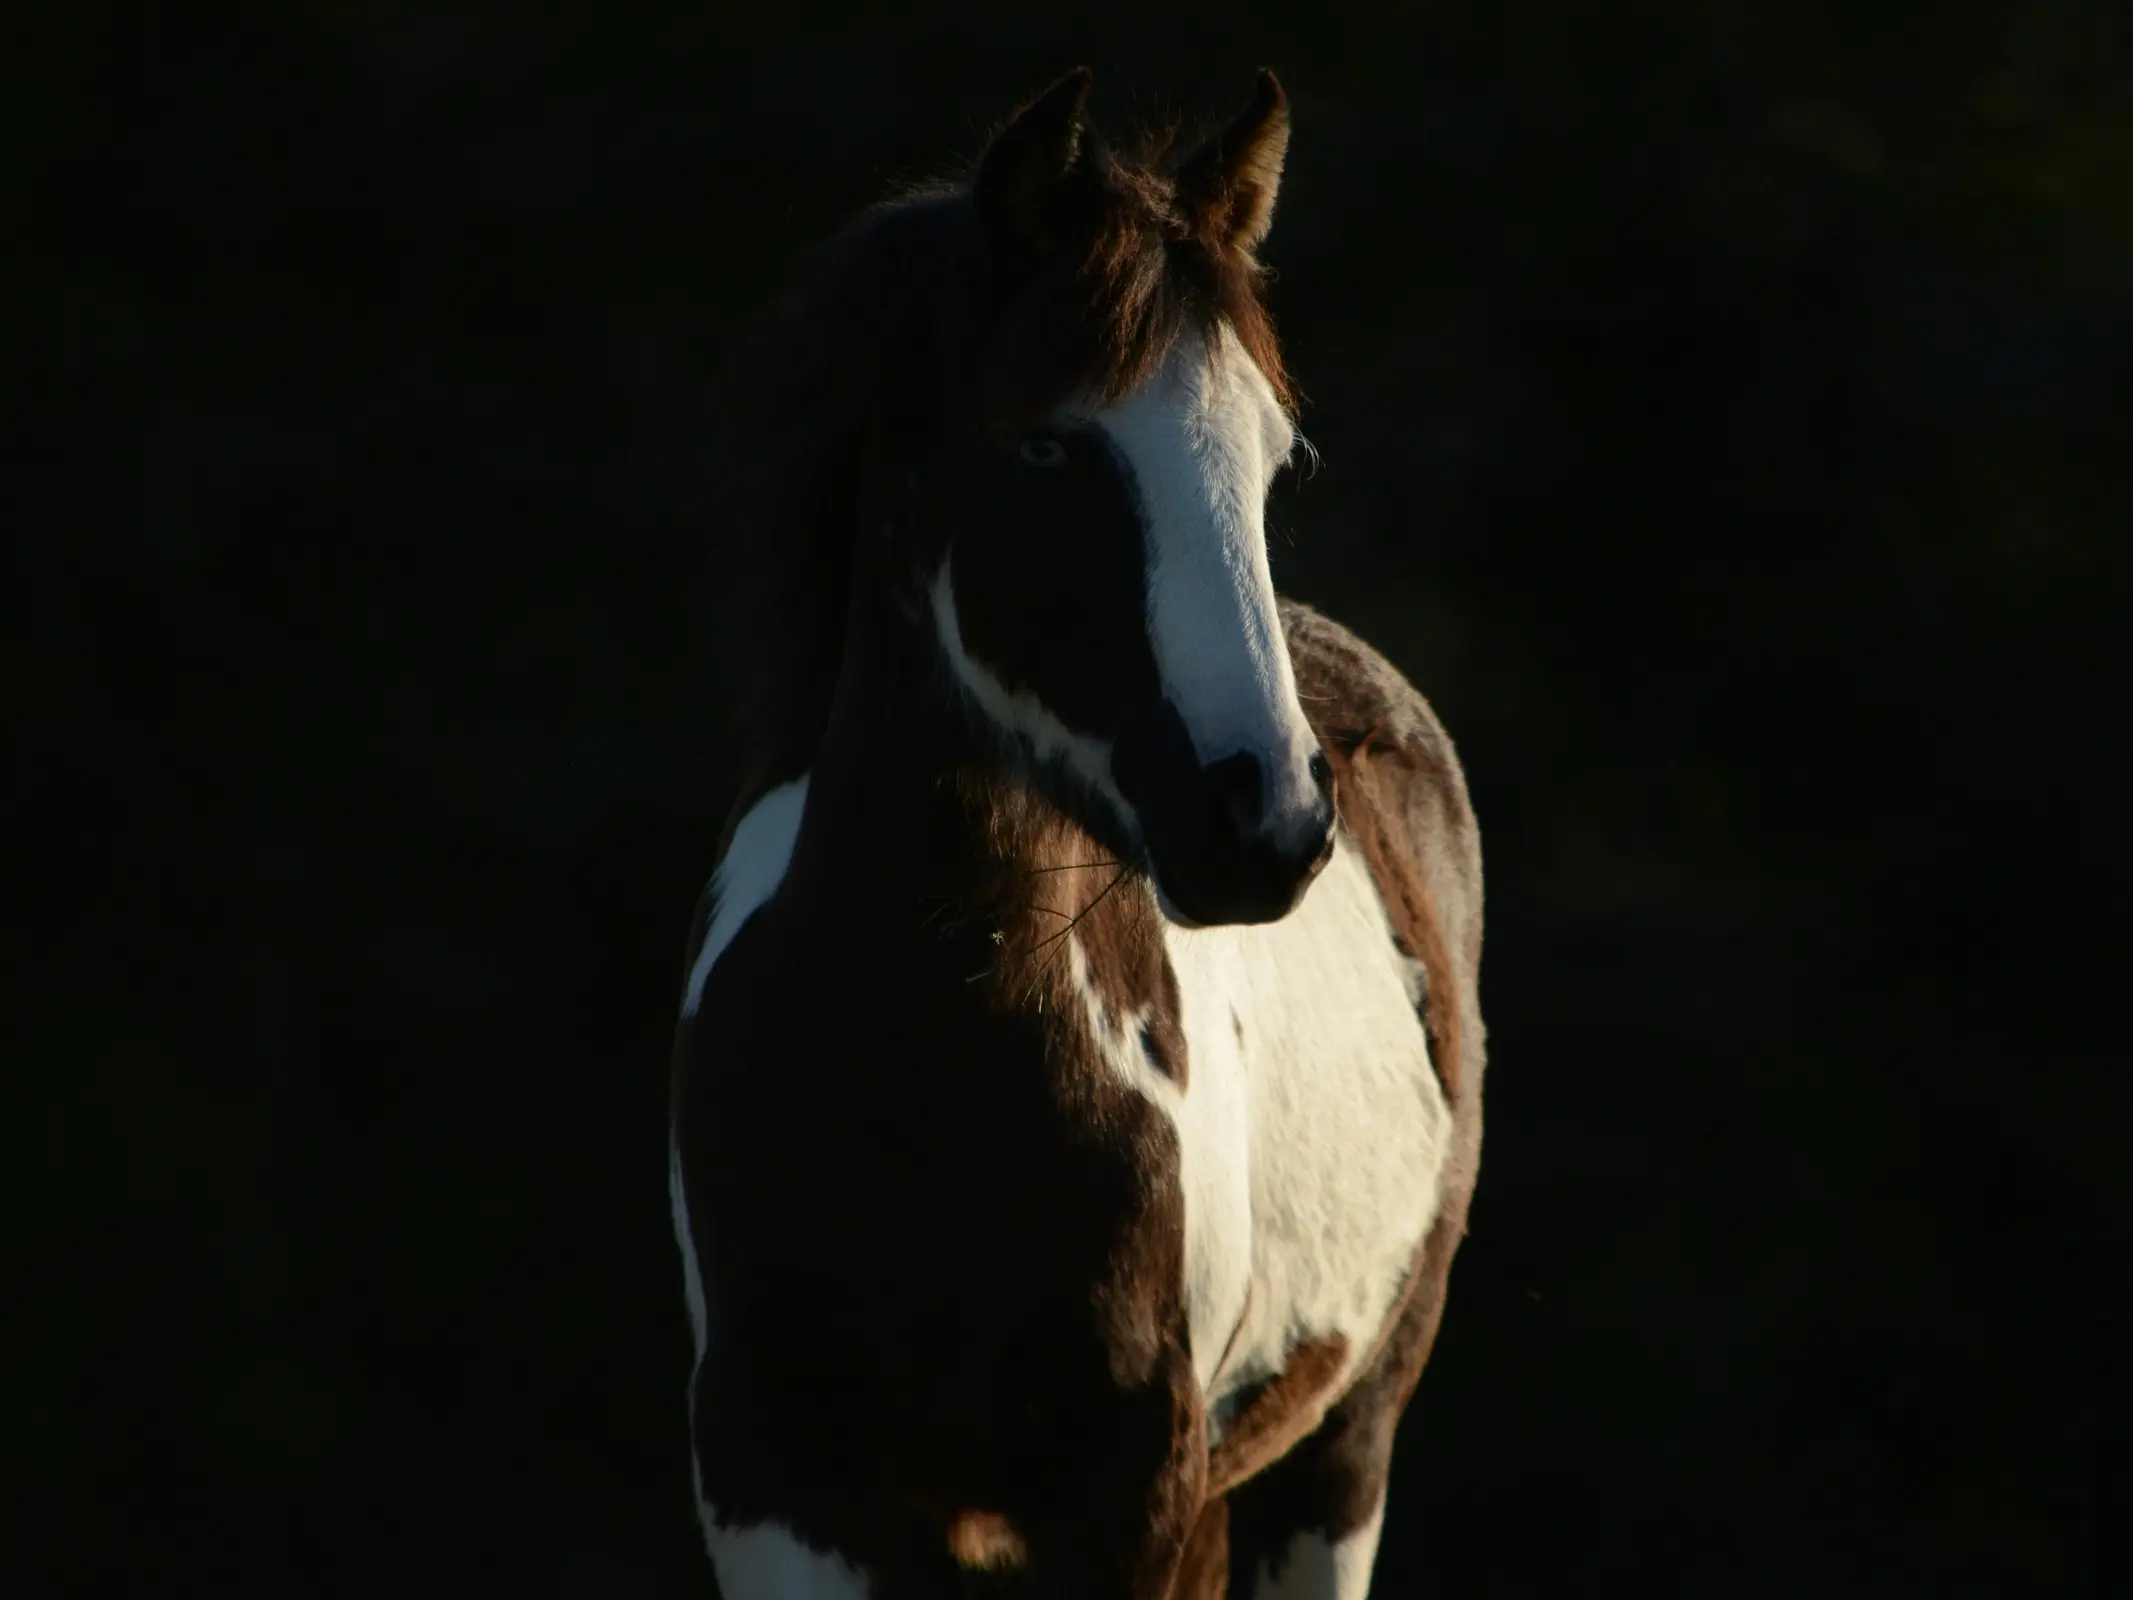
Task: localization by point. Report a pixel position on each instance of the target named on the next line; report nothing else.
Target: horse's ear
(1229, 183)
(1036, 149)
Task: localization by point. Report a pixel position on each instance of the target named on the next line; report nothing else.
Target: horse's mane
(908, 318)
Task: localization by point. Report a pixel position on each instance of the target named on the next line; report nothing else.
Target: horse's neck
(914, 819)
(887, 778)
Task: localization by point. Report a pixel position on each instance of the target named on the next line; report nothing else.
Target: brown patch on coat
(1203, 1573)
(1056, 887)
(1131, 974)
(1278, 1412)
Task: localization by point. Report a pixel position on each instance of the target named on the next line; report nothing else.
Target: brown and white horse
(1077, 1093)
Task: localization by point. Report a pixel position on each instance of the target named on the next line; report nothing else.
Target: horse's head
(1098, 571)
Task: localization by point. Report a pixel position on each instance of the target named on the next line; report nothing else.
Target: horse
(1076, 1097)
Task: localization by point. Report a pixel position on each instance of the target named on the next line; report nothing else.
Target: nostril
(1236, 788)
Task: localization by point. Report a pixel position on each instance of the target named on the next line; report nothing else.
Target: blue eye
(1043, 450)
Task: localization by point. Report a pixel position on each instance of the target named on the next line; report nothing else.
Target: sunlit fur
(1312, 1134)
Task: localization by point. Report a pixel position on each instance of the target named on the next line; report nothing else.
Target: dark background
(1727, 413)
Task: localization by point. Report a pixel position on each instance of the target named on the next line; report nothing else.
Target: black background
(1726, 411)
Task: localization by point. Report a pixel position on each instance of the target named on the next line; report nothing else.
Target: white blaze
(1204, 438)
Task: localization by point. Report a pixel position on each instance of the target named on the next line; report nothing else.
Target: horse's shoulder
(1404, 800)
(1363, 704)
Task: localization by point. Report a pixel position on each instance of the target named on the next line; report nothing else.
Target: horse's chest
(1311, 1130)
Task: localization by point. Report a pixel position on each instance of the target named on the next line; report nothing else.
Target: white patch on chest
(749, 875)
(1312, 1129)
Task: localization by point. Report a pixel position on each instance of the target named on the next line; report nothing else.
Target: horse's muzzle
(1233, 858)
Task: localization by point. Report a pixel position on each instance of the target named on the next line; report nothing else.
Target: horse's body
(1071, 1137)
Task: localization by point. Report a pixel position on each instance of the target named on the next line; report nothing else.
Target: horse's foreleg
(1307, 1527)
(1204, 1572)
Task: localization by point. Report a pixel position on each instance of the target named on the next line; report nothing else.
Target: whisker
(1058, 938)
(1125, 869)
(1312, 459)
(1053, 938)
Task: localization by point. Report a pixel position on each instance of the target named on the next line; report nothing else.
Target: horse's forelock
(1102, 313)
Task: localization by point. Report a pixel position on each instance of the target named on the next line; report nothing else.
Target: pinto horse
(1077, 1091)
